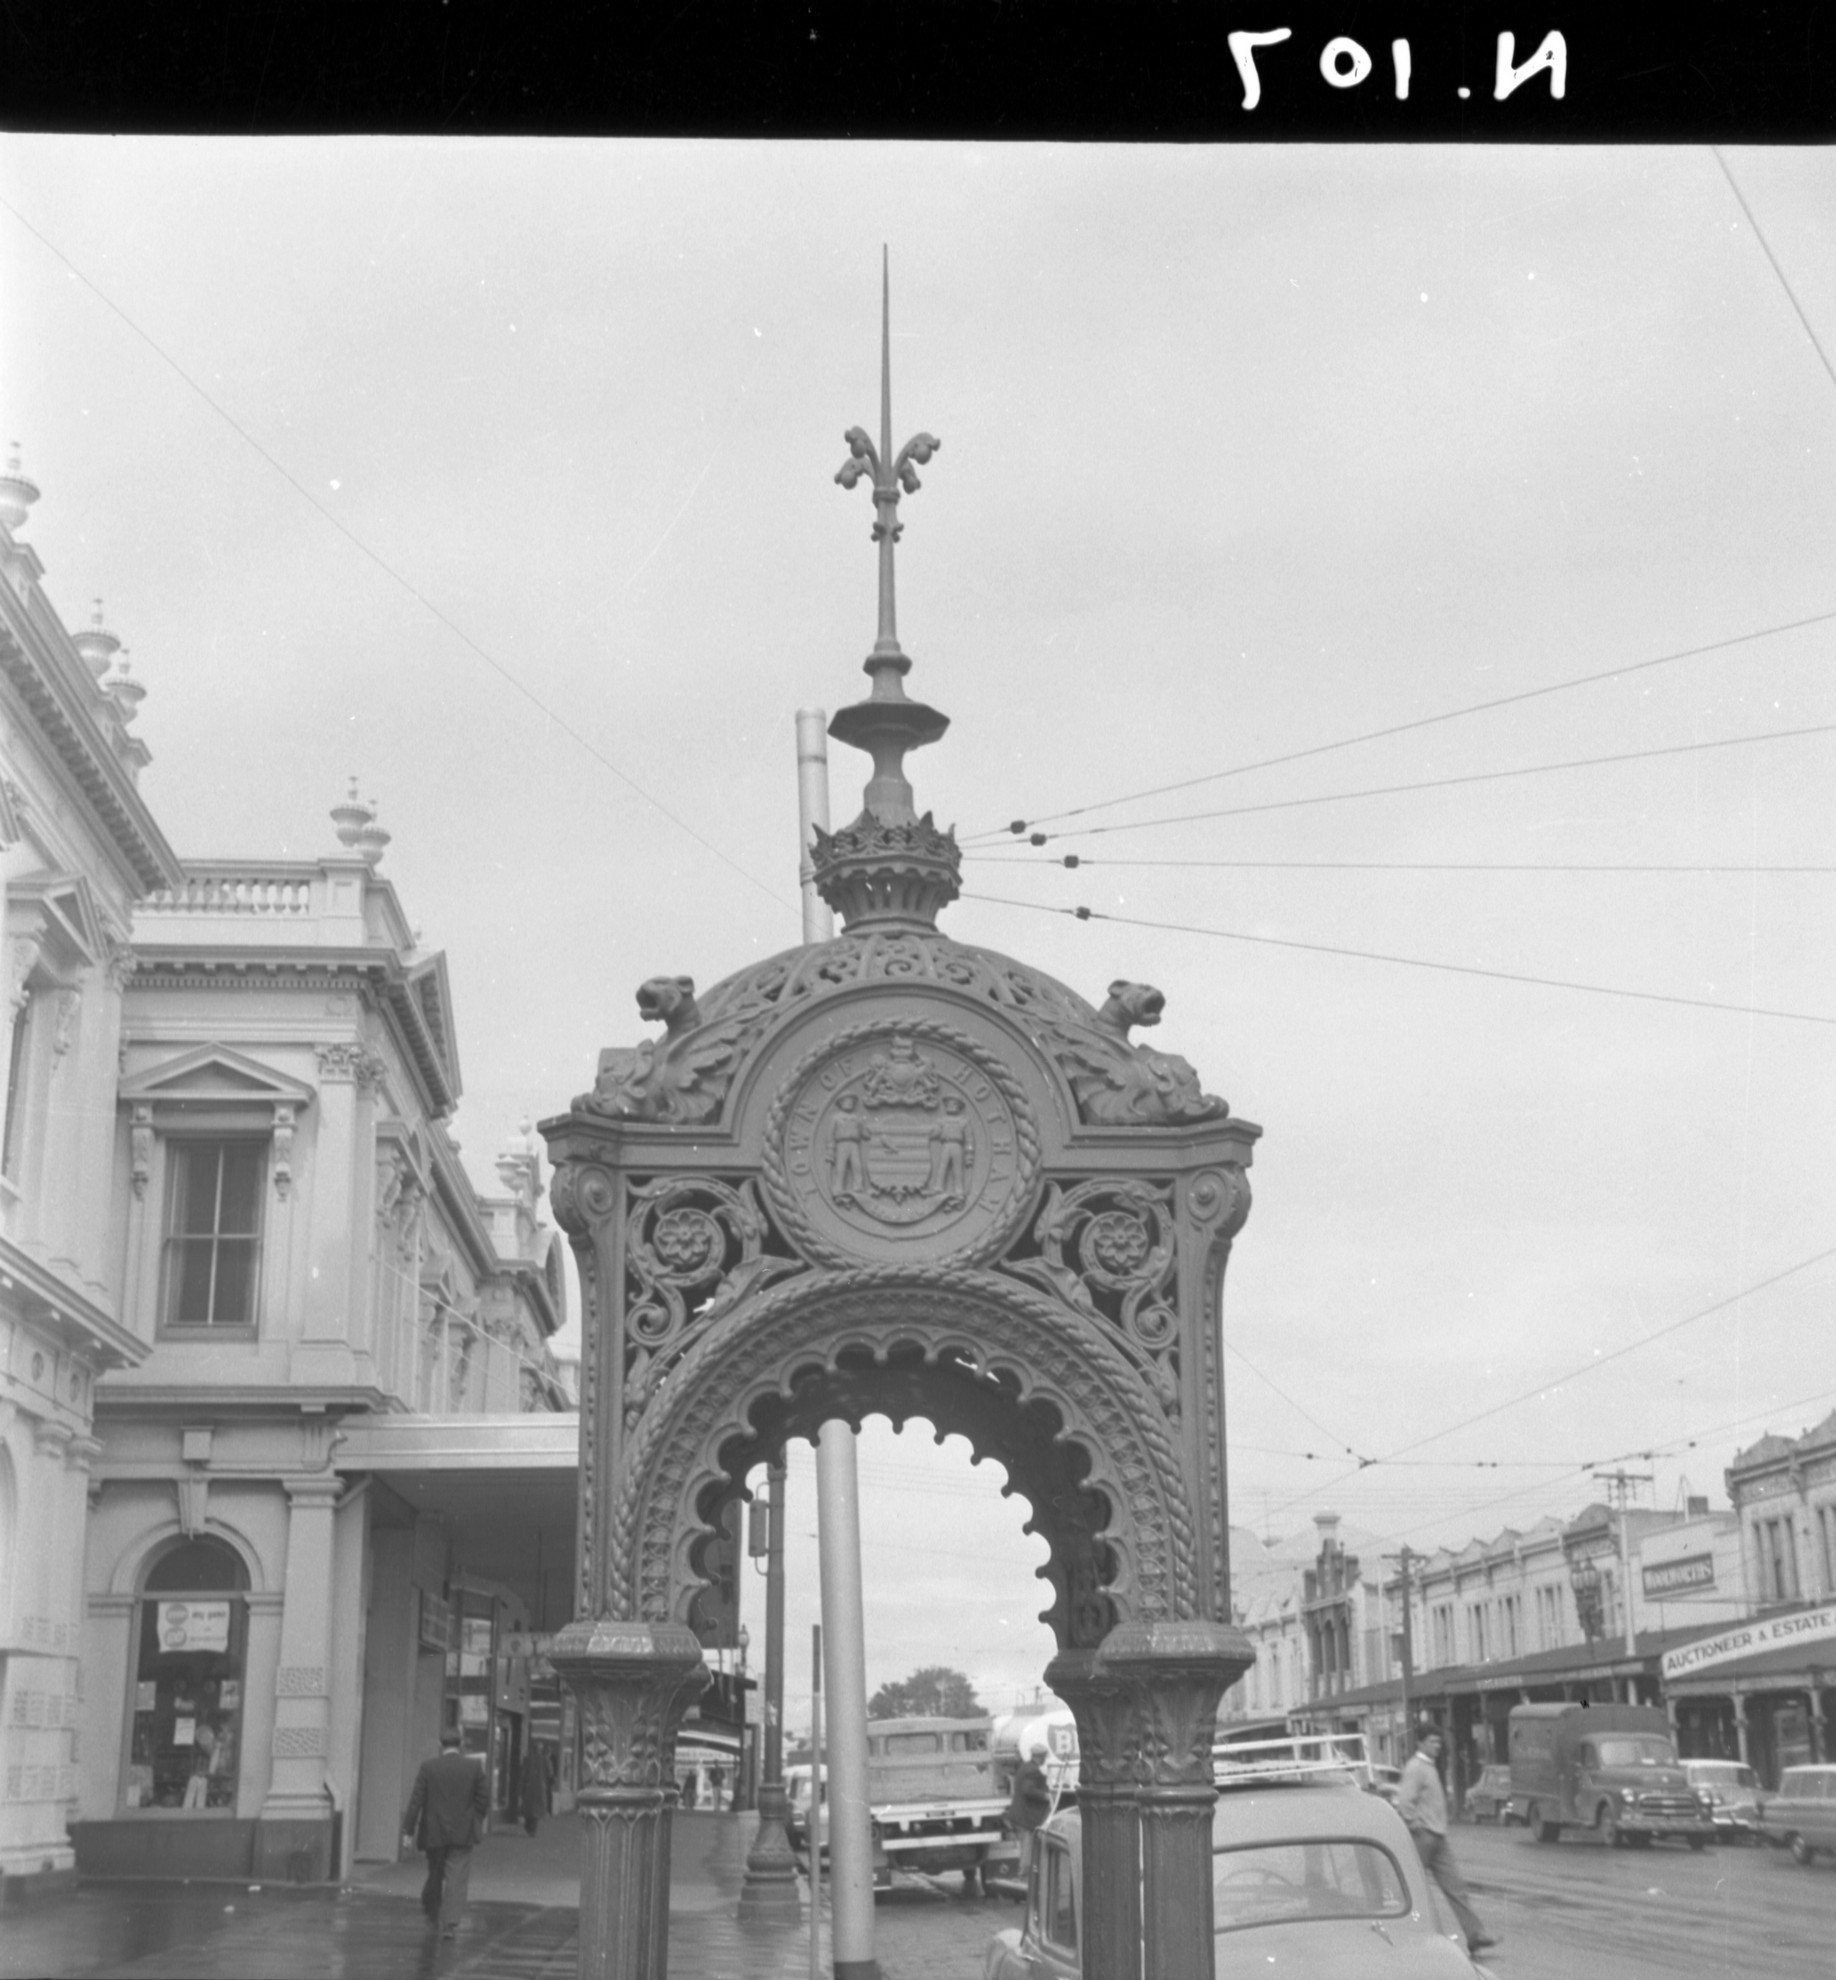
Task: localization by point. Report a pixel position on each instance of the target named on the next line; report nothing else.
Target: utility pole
(1619, 1487)
(1403, 1562)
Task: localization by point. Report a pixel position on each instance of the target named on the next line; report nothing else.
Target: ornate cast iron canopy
(895, 1173)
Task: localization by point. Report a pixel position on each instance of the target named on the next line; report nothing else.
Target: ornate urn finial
(96, 643)
(351, 817)
(890, 864)
(17, 494)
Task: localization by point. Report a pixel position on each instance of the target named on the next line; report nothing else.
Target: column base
(769, 1896)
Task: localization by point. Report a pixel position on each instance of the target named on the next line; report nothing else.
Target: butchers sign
(1748, 1639)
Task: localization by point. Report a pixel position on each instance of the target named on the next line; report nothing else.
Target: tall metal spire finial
(888, 475)
(890, 866)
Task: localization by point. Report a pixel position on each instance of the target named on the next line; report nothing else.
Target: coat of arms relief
(900, 1133)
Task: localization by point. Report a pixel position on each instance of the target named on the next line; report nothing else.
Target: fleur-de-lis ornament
(886, 472)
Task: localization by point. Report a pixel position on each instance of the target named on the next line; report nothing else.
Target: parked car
(1731, 1792)
(1321, 1879)
(1802, 1815)
(1489, 1797)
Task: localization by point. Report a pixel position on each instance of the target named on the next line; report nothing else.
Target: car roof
(1289, 1811)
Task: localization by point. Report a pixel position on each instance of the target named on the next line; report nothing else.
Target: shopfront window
(191, 1644)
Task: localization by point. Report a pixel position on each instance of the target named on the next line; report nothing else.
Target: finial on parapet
(96, 643)
(358, 830)
(17, 494)
(890, 864)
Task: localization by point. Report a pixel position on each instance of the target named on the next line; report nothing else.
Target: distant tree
(936, 1692)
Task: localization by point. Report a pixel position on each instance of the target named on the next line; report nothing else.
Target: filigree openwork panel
(1109, 1248)
(988, 1351)
(694, 1247)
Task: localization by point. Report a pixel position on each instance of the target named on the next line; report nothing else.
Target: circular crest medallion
(897, 1141)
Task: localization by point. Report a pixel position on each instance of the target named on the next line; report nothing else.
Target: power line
(1077, 860)
(1556, 1381)
(1791, 294)
(1437, 783)
(1420, 722)
(389, 570)
(1618, 1353)
(1409, 962)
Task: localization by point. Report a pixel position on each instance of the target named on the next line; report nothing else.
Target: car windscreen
(1636, 1750)
(1723, 1773)
(1324, 1877)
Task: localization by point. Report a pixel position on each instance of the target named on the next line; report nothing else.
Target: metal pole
(838, 1525)
(812, 810)
(844, 1645)
(1408, 1658)
(816, 1801)
(769, 1893)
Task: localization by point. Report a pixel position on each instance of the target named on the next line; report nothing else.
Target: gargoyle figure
(681, 1077)
(1122, 1085)
(669, 1000)
(1130, 1003)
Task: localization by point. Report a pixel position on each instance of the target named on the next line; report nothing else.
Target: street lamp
(1584, 1578)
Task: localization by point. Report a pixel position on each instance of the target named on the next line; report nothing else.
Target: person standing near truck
(1422, 1803)
(1031, 1804)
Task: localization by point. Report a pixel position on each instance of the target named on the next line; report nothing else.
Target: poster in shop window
(194, 1626)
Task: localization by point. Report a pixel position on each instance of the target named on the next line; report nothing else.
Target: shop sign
(1673, 1577)
(1775, 1633)
(436, 1622)
(194, 1626)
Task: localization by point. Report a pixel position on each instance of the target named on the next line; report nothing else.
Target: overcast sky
(1247, 452)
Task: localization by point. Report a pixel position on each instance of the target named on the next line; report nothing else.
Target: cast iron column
(1146, 1702)
(633, 1681)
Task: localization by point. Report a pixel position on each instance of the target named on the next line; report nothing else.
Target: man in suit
(445, 1817)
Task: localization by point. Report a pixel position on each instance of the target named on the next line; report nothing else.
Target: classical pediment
(214, 1075)
(58, 911)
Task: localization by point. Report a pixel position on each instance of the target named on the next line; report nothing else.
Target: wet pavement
(521, 1924)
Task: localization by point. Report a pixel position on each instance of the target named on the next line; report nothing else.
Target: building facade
(78, 850)
(272, 1639)
(286, 1461)
(1539, 1613)
(1767, 1695)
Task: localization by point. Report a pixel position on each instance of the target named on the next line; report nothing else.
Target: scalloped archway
(1028, 1383)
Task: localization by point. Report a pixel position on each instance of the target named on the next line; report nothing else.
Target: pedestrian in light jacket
(445, 1817)
(1422, 1803)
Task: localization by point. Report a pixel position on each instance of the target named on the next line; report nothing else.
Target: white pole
(845, 1659)
(816, 1803)
(838, 1524)
(812, 809)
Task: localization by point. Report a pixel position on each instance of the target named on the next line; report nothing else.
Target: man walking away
(445, 1817)
(1422, 1804)
(538, 1784)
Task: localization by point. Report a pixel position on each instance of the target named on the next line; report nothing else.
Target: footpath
(522, 1922)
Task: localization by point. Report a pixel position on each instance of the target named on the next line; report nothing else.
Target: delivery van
(1609, 1768)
